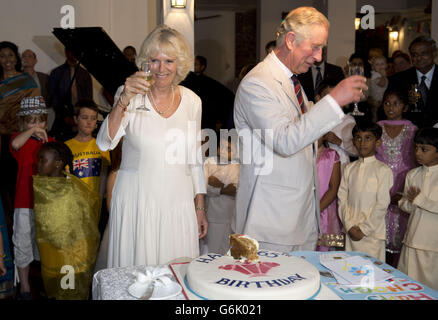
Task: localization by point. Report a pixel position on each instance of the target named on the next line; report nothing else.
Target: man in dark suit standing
(217, 100)
(320, 72)
(68, 84)
(423, 73)
(29, 59)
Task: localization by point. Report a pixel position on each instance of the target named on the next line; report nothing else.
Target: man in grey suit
(280, 206)
(29, 60)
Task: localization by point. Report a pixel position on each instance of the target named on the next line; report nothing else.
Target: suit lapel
(290, 91)
(285, 83)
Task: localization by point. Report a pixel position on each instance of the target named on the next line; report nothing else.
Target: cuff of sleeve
(419, 200)
(117, 138)
(335, 106)
(199, 185)
(347, 227)
(364, 229)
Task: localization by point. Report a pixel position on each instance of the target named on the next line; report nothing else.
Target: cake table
(112, 284)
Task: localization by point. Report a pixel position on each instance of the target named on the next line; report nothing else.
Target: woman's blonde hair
(299, 21)
(172, 43)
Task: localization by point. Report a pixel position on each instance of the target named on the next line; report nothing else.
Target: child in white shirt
(419, 255)
(222, 174)
(363, 195)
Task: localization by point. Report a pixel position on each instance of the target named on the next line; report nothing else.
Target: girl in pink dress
(329, 178)
(397, 151)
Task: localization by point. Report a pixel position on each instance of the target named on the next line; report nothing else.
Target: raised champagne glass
(145, 66)
(355, 70)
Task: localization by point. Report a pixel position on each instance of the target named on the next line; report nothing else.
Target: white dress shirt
(429, 76)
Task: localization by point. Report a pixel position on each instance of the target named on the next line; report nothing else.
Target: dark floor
(36, 281)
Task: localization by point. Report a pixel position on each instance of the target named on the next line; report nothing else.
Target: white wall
(215, 40)
(342, 34)
(270, 19)
(181, 19)
(29, 24)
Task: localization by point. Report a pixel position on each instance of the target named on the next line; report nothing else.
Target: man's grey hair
(299, 21)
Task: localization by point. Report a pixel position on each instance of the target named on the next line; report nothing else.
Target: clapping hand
(395, 199)
(412, 193)
(332, 138)
(355, 233)
(215, 182)
(229, 190)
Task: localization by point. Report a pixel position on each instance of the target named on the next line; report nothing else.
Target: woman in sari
(14, 86)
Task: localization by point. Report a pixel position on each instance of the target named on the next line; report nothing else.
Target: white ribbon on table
(158, 277)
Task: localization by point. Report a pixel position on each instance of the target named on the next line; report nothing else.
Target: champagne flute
(416, 94)
(146, 67)
(356, 70)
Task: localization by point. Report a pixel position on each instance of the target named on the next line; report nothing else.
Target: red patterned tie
(299, 93)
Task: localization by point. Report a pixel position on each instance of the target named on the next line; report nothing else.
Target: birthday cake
(274, 276)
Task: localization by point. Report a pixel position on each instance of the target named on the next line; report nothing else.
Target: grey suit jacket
(44, 82)
(278, 201)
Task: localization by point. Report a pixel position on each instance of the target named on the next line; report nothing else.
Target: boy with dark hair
(363, 195)
(89, 162)
(419, 255)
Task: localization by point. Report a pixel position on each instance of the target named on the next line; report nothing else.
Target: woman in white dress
(157, 211)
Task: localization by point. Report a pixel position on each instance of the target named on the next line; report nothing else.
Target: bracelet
(121, 102)
(200, 209)
(3, 255)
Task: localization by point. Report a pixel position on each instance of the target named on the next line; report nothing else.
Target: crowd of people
(327, 180)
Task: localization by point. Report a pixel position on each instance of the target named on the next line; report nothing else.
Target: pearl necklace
(155, 105)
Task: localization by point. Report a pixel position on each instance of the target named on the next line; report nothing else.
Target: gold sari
(66, 218)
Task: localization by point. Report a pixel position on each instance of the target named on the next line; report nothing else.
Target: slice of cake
(242, 246)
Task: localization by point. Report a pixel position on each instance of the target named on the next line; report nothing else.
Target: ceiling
(219, 5)
(379, 5)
